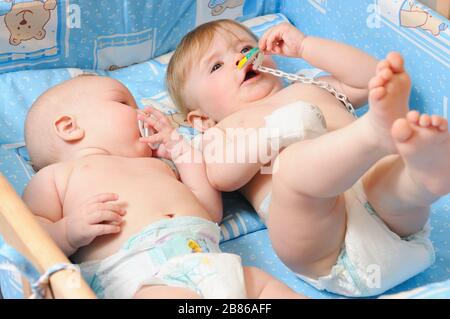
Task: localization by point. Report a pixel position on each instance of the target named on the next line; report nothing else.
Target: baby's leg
(261, 285)
(307, 213)
(258, 284)
(165, 292)
(401, 188)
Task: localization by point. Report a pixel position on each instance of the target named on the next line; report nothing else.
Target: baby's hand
(283, 39)
(96, 217)
(166, 137)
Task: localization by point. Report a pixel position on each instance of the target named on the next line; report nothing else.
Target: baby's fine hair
(39, 138)
(191, 48)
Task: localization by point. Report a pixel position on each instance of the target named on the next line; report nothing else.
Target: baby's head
(87, 114)
(203, 78)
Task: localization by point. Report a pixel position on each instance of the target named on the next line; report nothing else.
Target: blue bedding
(376, 27)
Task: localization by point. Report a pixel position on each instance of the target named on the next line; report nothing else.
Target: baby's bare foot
(388, 98)
(423, 141)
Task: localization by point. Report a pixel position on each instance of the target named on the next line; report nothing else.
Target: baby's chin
(261, 91)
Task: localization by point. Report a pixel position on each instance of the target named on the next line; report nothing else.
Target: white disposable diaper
(294, 122)
(373, 259)
(179, 252)
(211, 275)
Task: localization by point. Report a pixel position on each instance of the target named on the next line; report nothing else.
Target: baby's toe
(382, 65)
(436, 120)
(377, 93)
(396, 62)
(386, 74)
(413, 117)
(401, 130)
(444, 125)
(375, 82)
(425, 120)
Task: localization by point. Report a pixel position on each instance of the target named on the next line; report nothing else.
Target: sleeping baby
(119, 211)
(348, 200)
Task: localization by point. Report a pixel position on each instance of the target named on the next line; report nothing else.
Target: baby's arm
(192, 169)
(81, 227)
(226, 173)
(351, 69)
(187, 159)
(42, 199)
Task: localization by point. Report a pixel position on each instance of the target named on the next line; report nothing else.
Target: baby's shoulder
(52, 174)
(57, 168)
(42, 180)
(46, 172)
(42, 195)
(293, 90)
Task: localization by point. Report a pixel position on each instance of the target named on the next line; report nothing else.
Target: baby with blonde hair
(348, 204)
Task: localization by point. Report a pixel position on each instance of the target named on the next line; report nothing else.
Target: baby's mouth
(250, 75)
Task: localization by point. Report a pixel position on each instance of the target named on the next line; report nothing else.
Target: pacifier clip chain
(256, 57)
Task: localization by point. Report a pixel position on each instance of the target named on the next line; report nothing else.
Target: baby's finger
(273, 32)
(159, 125)
(156, 123)
(104, 229)
(153, 139)
(102, 198)
(117, 208)
(152, 122)
(273, 40)
(263, 41)
(149, 121)
(101, 216)
(157, 113)
(269, 40)
(141, 112)
(142, 116)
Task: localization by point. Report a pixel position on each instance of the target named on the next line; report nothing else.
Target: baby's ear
(66, 128)
(199, 120)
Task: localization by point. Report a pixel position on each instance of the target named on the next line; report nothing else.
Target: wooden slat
(20, 229)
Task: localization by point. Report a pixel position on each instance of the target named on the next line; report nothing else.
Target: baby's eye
(245, 50)
(216, 67)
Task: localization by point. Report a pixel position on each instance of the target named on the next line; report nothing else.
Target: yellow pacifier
(254, 56)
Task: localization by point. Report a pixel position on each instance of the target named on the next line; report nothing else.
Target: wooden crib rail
(20, 229)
